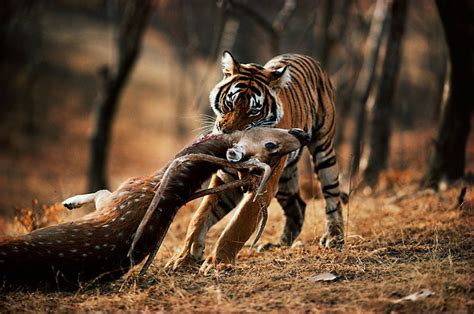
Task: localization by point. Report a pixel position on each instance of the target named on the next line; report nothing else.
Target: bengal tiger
(289, 91)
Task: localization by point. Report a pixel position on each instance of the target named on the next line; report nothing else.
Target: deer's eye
(270, 146)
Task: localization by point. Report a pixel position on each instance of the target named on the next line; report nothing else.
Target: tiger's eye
(270, 145)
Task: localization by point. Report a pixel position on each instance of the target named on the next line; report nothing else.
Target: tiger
(289, 91)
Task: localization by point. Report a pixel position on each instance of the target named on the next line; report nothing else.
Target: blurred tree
(20, 56)
(367, 77)
(447, 160)
(380, 127)
(133, 21)
(273, 27)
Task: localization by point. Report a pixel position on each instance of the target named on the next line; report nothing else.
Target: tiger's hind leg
(293, 205)
(324, 158)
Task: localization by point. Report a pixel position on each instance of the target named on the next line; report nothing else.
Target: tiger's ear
(229, 65)
(279, 77)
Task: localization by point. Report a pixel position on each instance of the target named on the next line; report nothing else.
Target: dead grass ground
(398, 242)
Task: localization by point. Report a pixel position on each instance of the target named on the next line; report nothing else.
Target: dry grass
(398, 243)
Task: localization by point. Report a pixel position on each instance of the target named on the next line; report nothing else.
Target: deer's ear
(229, 65)
(280, 77)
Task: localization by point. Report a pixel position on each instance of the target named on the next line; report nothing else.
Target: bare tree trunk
(447, 160)
(380, 130)
(132, 26)
(365, 81)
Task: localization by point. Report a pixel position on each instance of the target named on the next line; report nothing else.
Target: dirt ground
(399, 240)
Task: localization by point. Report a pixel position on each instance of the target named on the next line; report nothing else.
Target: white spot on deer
(120, 234)
(97, 247)
(122, 218)
(105, 226)
(115, 208)
(113, 219)
(112, 247)
(136, 200)
(61, 254)
(142, 195)
(144, 188)
(105, 245)
(84, 255)
(48, 251)
(89, 233)
(40, 242)
(58, 241)
(73, 250)
(128, 212)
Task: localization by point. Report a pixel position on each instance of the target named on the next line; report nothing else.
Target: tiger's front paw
(333, 236)
(183, 260)
(213, 263)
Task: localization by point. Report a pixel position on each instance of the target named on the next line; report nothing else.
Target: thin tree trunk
(131, 29)
(365, 81)
(380, 130)
(447, 161)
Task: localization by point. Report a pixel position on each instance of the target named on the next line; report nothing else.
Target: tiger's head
(247, 96)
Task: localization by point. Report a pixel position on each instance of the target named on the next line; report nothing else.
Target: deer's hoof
(71, 205)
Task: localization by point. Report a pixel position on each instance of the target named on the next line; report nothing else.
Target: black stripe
(301, 63)
(330, 186)
(224, 206)
(283, 194)
(284, 180)
(326, 164)
(332, 210)
(215, 214)
(322, 147)
(285, 199)
(292, 163)
(331, 194)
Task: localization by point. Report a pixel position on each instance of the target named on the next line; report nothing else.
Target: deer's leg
(242, 225)
(324, 158)
(212, 209)
(98, 198)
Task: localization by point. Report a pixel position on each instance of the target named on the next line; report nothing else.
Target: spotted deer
(105, 244)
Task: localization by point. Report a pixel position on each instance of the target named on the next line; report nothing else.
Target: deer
(130, 223)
